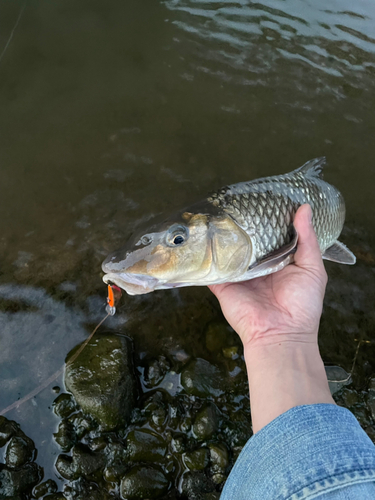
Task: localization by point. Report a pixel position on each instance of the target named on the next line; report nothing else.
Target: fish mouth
(133, 284)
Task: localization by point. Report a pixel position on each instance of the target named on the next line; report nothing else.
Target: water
(113, 113)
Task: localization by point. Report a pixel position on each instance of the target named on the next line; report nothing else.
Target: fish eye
(177, 235)
(178, 240)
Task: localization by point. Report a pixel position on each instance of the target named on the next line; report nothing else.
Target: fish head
(188, 249)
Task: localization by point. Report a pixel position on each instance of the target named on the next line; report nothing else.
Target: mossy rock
(102, 380)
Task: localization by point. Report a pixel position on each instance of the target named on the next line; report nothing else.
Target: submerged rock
(15, 482)
(19, 451)
(8, 428)
(195, 485)
(45, 488)
(143, 482)
(102, 380)
(65, 436)
(197, 459)
(201, 378)
(207, 422)
(371, 397)
(64, 405)
(145, 446)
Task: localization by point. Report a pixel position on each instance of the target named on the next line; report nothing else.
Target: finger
(308, 254)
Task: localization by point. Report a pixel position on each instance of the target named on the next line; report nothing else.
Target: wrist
(283, 375)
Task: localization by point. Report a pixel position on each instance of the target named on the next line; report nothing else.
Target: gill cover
(231, 249)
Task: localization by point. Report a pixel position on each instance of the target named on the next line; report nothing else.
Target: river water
(113, 112)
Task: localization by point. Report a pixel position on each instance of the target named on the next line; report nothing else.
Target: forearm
(284, 375)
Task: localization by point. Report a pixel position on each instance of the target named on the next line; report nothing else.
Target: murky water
(114, 112)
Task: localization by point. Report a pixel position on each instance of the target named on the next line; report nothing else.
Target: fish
(240, 232)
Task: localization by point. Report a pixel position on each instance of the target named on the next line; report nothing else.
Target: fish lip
(133, 284)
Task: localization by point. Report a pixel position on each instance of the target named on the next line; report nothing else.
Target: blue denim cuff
(302, 453)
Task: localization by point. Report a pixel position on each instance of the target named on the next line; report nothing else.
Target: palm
(288, 302)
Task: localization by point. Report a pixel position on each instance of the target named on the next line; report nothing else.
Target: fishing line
(114, 294)
(53, 377)
(12, 33)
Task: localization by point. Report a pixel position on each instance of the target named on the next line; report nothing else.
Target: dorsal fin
(313, 168)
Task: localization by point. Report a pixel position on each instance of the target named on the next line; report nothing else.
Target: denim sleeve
(313, 451)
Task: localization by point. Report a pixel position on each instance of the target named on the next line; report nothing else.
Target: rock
(195, 484)
(82, 424)
(201, 378)
(64, 405)
(145, 446)
(207, 422)
(7, 429)
(83, 462)
(218, 457)
(143, 482)
(15, 482)
(155, 371)
(65, 436)
(371, 397)
(64, 466)
(85, 490)
(197, 459)
(45, 488)
(179, 443)
(337, 378)
(86, 462)
(116, 453)
(102, 380)
(19, 451)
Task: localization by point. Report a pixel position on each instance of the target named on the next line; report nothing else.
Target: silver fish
(240, 232)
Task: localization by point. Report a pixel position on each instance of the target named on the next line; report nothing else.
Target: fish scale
(265, 208)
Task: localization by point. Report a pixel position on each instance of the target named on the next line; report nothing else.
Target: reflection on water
(112, 114)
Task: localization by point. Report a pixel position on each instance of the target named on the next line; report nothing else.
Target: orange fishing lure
(114, 295)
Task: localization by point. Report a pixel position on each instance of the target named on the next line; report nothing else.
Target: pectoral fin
(276, 260)
(338, 252)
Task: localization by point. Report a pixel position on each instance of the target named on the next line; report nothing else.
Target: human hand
(284, 306)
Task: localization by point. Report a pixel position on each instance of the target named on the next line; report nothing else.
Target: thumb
(308, 253)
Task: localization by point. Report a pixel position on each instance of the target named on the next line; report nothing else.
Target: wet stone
(64, 466)
(64, 405)
(65, 436)
(82, 424)
(143, 482)
(102, 380)
(155, 371)
(207, 422)
(19, 451)
(7, 429)
(201, 378)
(45, 488)
(145, 446)
(179, 443)
(371, 398)
(15, 482)
(85, 490)
(218, 457)
(87, 463)
(114, 473)
(195, 484)
(197, 459)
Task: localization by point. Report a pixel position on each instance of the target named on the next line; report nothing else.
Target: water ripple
(274, 35)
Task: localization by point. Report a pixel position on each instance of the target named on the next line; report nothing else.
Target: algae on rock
(101, 380)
